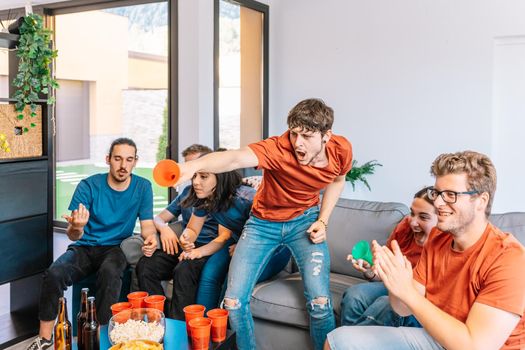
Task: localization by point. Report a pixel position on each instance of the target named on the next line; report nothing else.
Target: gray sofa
(279, 306)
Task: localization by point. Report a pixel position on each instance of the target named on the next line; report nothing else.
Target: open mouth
(300, 155)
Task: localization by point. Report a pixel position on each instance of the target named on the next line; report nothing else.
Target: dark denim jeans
(258, 242)
(75, 264)
(185, 274)
(367, 304)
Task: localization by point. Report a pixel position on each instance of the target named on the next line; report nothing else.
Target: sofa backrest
(354, 220)
(510, 222)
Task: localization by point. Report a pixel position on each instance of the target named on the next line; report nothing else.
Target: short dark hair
(122, 141)
(423, 194)
(196, 148)
(221, 199)
(311, 115)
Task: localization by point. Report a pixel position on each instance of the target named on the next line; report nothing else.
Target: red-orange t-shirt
(289, 188)
(489, 272)
(405, 238)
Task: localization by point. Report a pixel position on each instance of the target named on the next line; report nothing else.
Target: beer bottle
(91, 329)
(82, 316)
(62, 327)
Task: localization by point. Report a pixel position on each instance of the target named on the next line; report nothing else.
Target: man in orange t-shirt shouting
(296, 166)
(468, 288)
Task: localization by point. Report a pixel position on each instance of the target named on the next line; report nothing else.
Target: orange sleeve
(346, 156)
(504, 286)
(268, 153)
(400, 229)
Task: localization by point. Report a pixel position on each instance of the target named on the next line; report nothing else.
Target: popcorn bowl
(137, 324)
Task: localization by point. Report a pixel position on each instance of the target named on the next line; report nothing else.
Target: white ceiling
(10, 4)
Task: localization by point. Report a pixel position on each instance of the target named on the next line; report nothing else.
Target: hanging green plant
(359, 173)
(34, 73)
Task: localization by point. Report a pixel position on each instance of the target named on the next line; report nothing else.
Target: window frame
(74, 6)
(265, 10)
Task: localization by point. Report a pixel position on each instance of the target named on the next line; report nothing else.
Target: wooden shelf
(8, 40)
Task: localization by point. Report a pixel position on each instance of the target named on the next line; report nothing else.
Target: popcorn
(133, 329)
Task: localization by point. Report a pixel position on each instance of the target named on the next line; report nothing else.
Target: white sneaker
(40, 343)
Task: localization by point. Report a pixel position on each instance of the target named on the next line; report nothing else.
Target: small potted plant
(359, 173)
(35, 56)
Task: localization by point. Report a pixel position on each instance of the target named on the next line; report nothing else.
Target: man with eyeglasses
(468, 288)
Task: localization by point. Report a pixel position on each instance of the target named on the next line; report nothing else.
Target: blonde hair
(481, 173)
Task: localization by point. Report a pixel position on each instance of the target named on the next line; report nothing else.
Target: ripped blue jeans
(259, 240)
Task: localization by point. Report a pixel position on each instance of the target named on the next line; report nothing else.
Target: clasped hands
(188, 247)
(394, 269)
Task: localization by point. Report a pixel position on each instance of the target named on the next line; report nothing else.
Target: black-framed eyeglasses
(447, 195)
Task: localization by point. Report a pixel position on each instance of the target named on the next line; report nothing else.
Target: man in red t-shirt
(468, 288)
(296, 166)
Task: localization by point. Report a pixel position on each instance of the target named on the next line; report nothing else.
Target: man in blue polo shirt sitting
(104, 209)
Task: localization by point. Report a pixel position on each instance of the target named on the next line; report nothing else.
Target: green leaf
(360, 173)
(35, 57)
(20, 116)
(33, 125)
(26, 129)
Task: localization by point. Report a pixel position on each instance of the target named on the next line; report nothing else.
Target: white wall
(408, 80)
(195, 72)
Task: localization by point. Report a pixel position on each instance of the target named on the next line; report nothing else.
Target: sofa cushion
(282, 300)
(355, 220)
(510, 222)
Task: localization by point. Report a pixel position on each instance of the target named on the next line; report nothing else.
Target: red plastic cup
(219, 321)
(155, 302)
(200, 333)
(118, 307)
(191, 312)
(123, 316)
(137, 299)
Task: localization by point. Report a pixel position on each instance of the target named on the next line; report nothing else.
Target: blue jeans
(258, 242)
(377, 337)
(367, 304)
(212, 281)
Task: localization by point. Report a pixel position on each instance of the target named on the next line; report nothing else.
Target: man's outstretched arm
(218, 162)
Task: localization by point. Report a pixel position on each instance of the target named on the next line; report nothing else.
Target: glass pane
(229, 75)
(4, 56)
(240, 75)
(4, 73)
(112, 66)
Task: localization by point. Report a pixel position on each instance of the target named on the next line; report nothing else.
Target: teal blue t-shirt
(112, 214)
(236, 215)
(210, 227)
